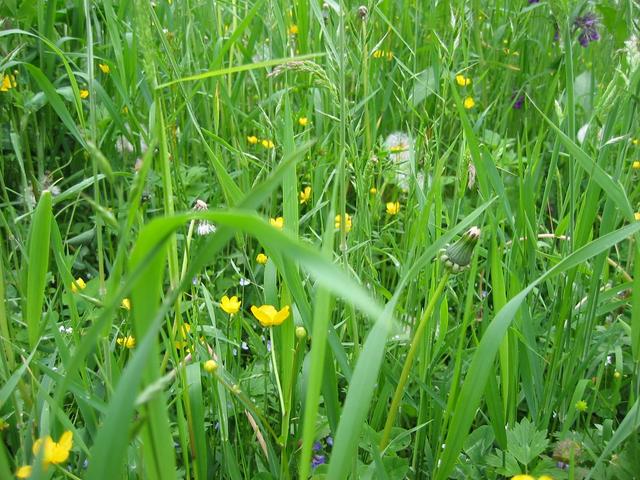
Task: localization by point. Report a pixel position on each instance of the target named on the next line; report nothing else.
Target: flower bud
(210, 366)
(457, 257)
(301, 333)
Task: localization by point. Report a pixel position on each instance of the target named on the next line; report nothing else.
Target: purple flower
(519, 101)
(318, 460)
(317, 446)
(533, 1)
(329, 441)
(588, 26)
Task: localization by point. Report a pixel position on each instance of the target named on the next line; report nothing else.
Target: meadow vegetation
(267, 239)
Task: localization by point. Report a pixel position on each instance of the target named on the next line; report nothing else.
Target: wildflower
(469, 103)
(519, 102)
(210, 366)
(522, 477)
(378, 54)
(635, 141)
(78, 285)
(54, 452)
(262, 258)
(268, 316)
(637, 216)
(8, 82)
(244, 282)
(252, 139)
(636, 165)
(65, 330)
(617, 375)
(318, 460)
(588, 25)
(84, 94)
(389, 56)
(303, 121)
(393, 208)
(126, 342)
(545, 477)
(305, 195)
(400, 148)
(363, 12)
(267, 143)
(373, 190)
(126, 304)
(462, 80)
(301, 333)
(105, 68)
(277, 222)
(230, 305)
(204, 227)
(293, 29)
(347, 222)
(457, 257)
(581, 406)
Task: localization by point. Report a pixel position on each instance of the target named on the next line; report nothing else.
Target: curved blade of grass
(482, 363)
(37, 266)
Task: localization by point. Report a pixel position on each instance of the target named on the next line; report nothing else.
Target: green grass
(118, 116)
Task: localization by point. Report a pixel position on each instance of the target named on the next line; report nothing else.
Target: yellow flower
(84, 94)
(303, 121)
(462, 80)
(469, 102)
(252, 139)
(126, 342)
(230, 305)
(393, 208)
(267, 143)
(78, 285)
(262, 258)
(637, 216)
(293, 29)
(24, 471)
(184, 333)
(104, 67)
(545, 477)
(378, 54)
(268, 316)
(636, 165)
(126, 304)
(305, 195)
(635, 141)
(389, 56)
(373, 190)
(581, 406)
(522, 477)
(54, 452)
(347, 223)
(210, 366)
(8, 82)
(277, 222)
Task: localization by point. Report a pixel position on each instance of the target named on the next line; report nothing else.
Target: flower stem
(408, 363)
(275, 371)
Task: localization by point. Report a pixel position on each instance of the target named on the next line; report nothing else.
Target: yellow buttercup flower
(462, 80)
(635, 141)
(262, 258)
(545, 477)
(305, 195)
(268, 316)
(230, 305)
(469, 102)
(636, 165)
(126, 342)
(267, 143)
(389, 56)
(277, 222)
(303, 121)
(84, 94)
(252, 139)
(637, 216)
(54, 452)
(126, 304)
(210, 366)
(378, 54)
(293, 29)
(8, 82)
(393, 208)
(78, 285)
(522, 477)
(105, 68)
(24, 471)
(373, 190)
(184, 333)
(347, 223)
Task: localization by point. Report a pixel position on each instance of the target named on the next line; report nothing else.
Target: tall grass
(144, 148)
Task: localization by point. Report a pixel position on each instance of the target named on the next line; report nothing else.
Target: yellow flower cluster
(53, 452)
(126, 342)
(347, 222)
(8, 82)
(382, 54)
(266, 143)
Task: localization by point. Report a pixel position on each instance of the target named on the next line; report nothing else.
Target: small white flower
(244, 282)
(123, 145)
(205, 228)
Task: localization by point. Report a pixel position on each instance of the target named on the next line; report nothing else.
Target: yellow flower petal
(24, 471)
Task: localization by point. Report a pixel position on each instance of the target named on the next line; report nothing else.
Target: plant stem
(408, 363)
